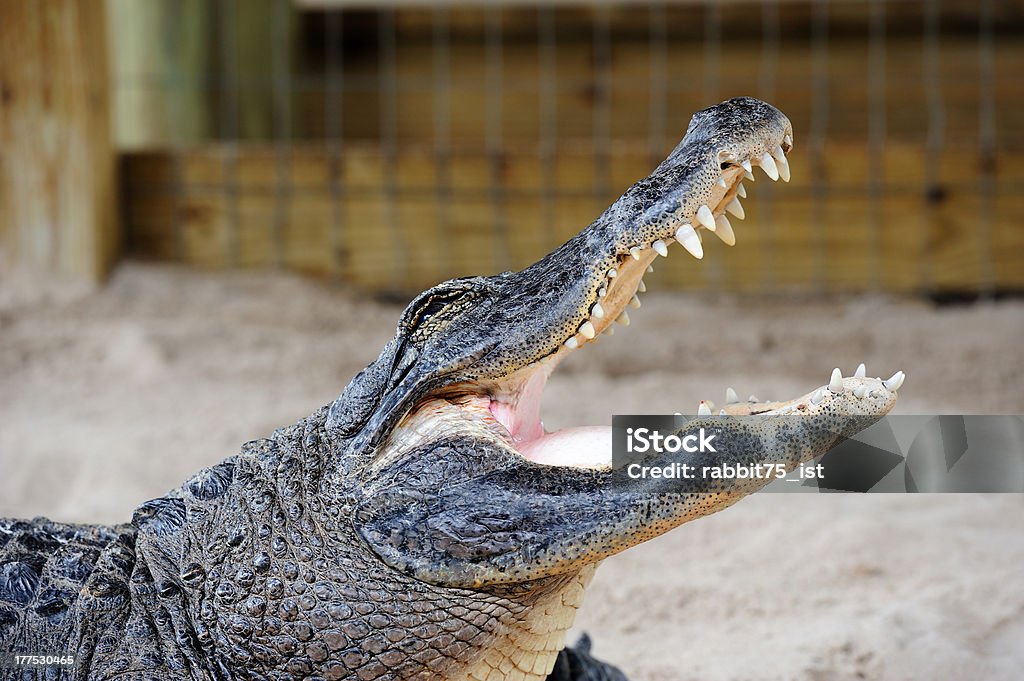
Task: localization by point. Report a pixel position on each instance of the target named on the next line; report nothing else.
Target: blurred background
(212, 212)
(392, 145)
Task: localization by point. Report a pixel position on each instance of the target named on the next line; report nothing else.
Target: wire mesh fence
(399, 145)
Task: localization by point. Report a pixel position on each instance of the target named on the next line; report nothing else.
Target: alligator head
(492, 341)
(426, 525)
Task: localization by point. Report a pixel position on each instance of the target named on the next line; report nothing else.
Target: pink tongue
(583, 447)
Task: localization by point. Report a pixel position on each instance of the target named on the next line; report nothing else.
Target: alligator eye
(431, 309)
(436, 304)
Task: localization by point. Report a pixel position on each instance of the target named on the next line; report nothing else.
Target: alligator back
(49, 573)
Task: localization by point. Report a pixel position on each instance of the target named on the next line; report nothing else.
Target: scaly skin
(423, 525)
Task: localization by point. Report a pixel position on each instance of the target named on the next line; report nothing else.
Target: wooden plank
(374, 260)
(470, 108)
(1007, 263)
(164, 94)
(57, 204)
(413, 17)
(306, 248)
(402, 231)
(255, 247)
(204, 231)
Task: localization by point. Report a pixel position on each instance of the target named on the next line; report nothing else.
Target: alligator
(424, 524)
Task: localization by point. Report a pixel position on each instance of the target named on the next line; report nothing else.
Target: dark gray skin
(403, 532)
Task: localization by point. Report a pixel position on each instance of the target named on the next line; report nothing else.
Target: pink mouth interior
(581, 447)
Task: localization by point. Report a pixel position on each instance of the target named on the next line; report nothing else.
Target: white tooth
(597, 311)
(736, 208)
(610, 331)
(787, 140)
(724, 230)
(721, 181)
(782, 162)
(602, 291)
(818, 396)
(687, 236)
(623, 318)
(747, 175)
(894, 382)
(730, 396)
(768, 166)
(741, 191)
(861, 371)
(860, 391)
(572, 343)
(660, 248)
(746, 166)
(635, 252)
(641, 287)
(703, 409)
(753, 398)
(634, 302)
(784, 169)
(612, 273)
(587, 329)
(650, 268)
(722, 413)
(706, 217)
(835, 384)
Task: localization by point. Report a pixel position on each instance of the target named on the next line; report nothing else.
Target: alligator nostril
(724, 166)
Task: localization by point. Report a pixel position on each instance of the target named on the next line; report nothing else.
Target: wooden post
(57, 179)
(161, 54)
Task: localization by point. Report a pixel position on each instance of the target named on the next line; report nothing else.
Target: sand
(112, 397)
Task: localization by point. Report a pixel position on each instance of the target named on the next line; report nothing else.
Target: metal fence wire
(397, 145)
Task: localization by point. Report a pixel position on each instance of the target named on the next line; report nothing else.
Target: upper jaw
(701, 185)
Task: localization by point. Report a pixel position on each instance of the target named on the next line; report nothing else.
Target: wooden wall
(903, 172)
(388, 227)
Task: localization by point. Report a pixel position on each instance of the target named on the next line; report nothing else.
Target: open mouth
(509, 408)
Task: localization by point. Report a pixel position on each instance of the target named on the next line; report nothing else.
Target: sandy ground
(109, 398)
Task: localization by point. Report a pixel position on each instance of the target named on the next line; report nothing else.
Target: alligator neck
(531, 642)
